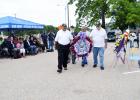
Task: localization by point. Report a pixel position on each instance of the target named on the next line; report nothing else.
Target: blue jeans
(100, 51)
(50, 46)
(84, 60)
(33, 49)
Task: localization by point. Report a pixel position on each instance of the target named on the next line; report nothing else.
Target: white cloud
(42, 11)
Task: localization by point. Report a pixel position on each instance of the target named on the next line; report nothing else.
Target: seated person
(29, 45)
(4, 48)
(20, 46)
(39, 45)
(33, 45)
(10, 46)
(1, 41)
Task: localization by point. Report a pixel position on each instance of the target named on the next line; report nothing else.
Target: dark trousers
(73, 58)
(137, 43)
(45, 43)
(63, 52)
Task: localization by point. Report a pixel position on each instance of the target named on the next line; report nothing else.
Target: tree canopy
(126, 12)
(50, 28)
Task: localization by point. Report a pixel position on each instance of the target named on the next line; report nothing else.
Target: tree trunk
(103, 18)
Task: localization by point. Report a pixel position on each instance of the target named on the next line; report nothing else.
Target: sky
(48, 12)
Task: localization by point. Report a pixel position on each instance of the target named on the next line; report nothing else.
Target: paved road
(35, 78)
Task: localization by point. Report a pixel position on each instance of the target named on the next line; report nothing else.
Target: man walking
(99, 38)
(62, 44)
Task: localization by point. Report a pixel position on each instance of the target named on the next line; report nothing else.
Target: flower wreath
(81, 46)
(120, 48)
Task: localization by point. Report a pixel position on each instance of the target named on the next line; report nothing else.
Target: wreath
(81, 46)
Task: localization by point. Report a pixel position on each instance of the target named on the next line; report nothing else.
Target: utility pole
(15, 15)
(68, 13)
(67, 19)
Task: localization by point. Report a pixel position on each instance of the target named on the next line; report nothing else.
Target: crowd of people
(16, 47)
(68, 44)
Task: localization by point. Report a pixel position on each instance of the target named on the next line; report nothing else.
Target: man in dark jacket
(51, 37)
(44, 38)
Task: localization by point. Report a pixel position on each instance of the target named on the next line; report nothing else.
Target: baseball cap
(98, 24)
(64, 25)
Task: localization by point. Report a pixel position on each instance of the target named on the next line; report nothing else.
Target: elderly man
(62, 43)
(99, 38)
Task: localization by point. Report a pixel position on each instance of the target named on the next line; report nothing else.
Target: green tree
(133, 16)
(126, 13)
(121, 11)
(90, 11)
(50, 27)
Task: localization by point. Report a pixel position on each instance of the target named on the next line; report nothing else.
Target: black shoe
(83, 65)
(73, 62)
(102, 68)
(95, 66)
(65, 68)
(59, 71)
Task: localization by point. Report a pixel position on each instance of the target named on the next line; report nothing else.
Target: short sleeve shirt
(98, 37)
(63, 37)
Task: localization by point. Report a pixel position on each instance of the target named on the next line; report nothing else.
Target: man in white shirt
(99, 38)
(62, 43)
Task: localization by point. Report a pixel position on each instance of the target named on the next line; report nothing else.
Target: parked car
(111, 36)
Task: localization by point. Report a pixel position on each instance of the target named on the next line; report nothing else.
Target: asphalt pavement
(35, 78)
